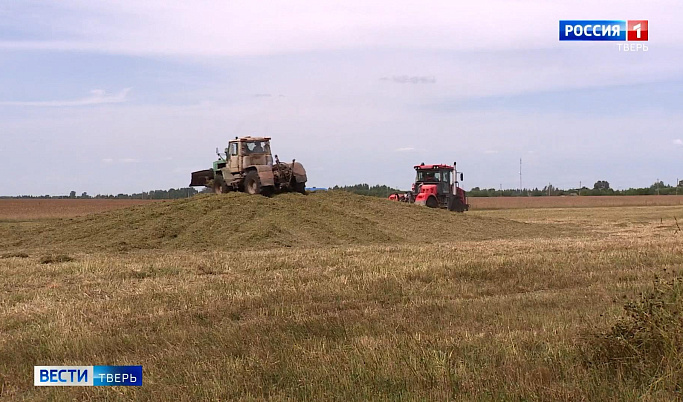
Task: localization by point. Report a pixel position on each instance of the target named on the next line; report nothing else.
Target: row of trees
(601, 187)
(172, 193)
(366, 189)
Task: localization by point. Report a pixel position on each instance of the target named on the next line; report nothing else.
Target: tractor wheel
(300, 187)
(458, 206)
(267, 191)
(218, 187)
(252, 183)
(432, 202)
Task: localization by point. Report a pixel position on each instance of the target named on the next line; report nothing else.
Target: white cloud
(405, 149)
(410, 79)
(678, 142)
(508, 58)
(97, 97)
(244, 27)
(121, 160)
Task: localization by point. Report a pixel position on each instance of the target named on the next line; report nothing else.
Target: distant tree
(72, 194)
(680, 183)
(658, 184)
(601, 185)
(85, 195)
(366, 189)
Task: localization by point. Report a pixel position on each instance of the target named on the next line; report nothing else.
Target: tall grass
(646, 346)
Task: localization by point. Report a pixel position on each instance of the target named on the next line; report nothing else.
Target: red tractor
(436, 186)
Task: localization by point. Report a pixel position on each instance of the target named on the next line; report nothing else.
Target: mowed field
(338, 297)
(574, 201)
(21, 209)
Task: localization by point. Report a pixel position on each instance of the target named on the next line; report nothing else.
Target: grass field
(26, 209)
(23, 209)
(334, 296)
(574, 201)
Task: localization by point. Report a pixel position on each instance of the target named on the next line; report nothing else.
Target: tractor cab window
(256, 147)
(446, 176)
(428, 175)
(232, 149)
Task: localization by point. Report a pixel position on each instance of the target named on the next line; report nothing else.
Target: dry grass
(479, 203)
(23, 209)
(446, 317)
(237, 221)
(647, 345)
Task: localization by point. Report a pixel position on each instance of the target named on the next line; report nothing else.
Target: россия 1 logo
(604, 30)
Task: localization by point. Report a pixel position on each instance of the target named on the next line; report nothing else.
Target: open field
(331, 296)
(22, 209)
(237, 221)
(574, 201)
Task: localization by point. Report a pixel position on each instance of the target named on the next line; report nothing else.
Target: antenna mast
(520, 175)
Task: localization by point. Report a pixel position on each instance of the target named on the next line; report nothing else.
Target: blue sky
(128, 96)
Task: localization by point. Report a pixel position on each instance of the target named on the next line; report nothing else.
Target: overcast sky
(127, 96)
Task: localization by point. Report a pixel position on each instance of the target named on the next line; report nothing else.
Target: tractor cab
(439, 175)
(248, 151)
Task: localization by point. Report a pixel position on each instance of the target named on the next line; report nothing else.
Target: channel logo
(603, 30)
(87, 376)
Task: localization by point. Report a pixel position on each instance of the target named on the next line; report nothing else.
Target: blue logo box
(593, 30)
(88, 376)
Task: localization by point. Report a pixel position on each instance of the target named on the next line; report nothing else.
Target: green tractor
(248, 166)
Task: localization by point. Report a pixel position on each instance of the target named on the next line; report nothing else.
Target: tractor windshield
(257, 147)
(433, 176)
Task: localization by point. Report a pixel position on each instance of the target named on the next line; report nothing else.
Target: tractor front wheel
(432, 202)
(252, 183)
(218, 187)
(300, 187)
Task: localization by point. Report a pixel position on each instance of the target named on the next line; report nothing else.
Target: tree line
(601, 187)
(172, 193)
(366, 189)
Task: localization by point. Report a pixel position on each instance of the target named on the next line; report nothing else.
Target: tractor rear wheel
(252, 183)
(458, 206)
